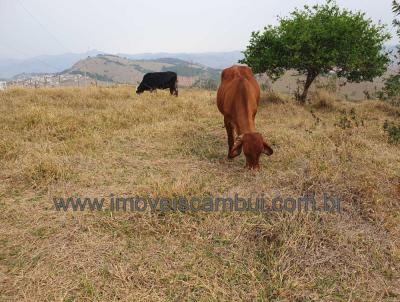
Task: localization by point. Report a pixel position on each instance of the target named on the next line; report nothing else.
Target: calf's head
(253, 146)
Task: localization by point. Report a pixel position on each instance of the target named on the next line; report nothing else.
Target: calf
(237, 99)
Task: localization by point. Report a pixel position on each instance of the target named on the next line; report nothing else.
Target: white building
(3, 85)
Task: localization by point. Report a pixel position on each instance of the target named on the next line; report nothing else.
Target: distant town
(49, 80)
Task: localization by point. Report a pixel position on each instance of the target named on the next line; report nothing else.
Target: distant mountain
(217, 60)
(57, 63)
(41, 64)
(112, 68)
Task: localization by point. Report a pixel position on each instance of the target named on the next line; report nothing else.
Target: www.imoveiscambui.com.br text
(306, 203)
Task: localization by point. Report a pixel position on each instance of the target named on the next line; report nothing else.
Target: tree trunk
(310, 79)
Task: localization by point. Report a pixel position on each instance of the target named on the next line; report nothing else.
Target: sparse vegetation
(100, 141)
(393, 132)
(140, 68)
(94, 76)
(208, 84)
(391, 90)
(348, 119)
(109, 61)
(273, 97)
(322, 99)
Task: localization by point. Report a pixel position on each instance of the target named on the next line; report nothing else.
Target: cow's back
(238, 89)
(160, 77)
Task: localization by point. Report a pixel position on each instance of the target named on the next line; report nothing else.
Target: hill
(109, 143)
(123, 70)
(218, 60)
(10, 67)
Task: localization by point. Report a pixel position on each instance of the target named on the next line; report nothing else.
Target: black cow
(159, 80)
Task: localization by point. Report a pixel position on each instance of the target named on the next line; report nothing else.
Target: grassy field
(96, 142)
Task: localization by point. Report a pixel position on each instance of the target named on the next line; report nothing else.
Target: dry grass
(274, 97)
(97, 141)
(321, 99)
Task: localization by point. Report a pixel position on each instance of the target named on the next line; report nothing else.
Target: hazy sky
(34, 27)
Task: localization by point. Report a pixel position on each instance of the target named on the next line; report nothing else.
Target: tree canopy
(317, 40)
(391, 89)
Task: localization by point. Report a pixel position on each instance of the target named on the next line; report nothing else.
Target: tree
(391, 89)
(396, 11)
(317, 40)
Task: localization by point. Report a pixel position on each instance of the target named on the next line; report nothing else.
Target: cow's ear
(267, 149)
(237, 147)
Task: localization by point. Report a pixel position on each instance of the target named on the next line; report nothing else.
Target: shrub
(391, 91)
(349, 119)
(322, 99)
(206, 83)
(393, 132)
(273, 97)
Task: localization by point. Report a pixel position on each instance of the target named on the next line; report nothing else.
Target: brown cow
(237, 99)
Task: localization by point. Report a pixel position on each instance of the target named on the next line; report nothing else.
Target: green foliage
(393, 132)
(396, 11)
(317, 40)
(264, 87)
(391, 91)
(396, 7)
